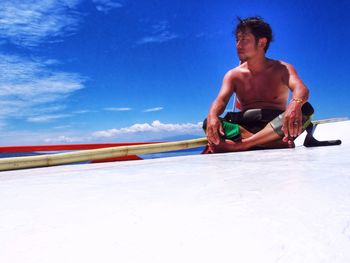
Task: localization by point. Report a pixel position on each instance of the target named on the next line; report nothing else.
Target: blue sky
(107, 70)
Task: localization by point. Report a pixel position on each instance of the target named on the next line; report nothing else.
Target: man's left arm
(292, 122)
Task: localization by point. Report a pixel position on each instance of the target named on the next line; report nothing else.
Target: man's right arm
(214, 128)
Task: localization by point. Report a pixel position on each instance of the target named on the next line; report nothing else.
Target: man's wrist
(298, 100)
(213, 116)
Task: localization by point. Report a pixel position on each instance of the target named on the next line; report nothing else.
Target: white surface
(290, 205)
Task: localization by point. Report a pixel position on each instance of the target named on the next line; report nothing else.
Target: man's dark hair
(257, 26)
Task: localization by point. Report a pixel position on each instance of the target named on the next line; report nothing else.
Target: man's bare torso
(267, 89)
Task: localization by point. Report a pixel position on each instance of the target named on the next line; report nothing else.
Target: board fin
(311, 141)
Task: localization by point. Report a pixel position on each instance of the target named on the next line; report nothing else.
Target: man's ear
(262, 42)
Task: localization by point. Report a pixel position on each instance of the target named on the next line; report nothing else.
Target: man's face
(246, 45)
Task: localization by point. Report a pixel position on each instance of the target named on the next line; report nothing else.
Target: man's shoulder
(281, 63)
(235, 72)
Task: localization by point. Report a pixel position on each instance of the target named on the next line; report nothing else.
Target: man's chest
(261, 86)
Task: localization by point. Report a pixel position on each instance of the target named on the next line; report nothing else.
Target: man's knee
(307, 111)
(231, 130)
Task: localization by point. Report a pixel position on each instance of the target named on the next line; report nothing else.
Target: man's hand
(292, 122)
(214, 130)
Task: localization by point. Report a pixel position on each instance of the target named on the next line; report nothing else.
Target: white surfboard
(289, 205)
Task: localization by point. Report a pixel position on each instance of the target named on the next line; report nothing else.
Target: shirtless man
(259, 83)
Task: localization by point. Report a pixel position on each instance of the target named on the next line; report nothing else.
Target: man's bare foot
(228, 146)
(245, 133)
(279, 144)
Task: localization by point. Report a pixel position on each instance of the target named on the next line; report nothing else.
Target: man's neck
(257, 64)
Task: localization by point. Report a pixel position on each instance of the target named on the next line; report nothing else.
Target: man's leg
(267, 137)
(245, 134)
(271, 135)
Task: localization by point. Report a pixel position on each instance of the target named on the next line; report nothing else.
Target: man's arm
(214, 128)
(292, 122)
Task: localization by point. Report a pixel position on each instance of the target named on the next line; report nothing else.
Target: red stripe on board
(65, 147)
(118, 159)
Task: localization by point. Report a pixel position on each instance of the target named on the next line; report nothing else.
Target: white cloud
(163, 37)
(62, 127)
(160, 33)
(106, 5)
(47, 118)
(29, 137)
(83, 111)
(154, 109)
(28, 88)
(62, 139)
(118, 109)
(155, 126)
(155, 131)
(28, 23)
(48, 109)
